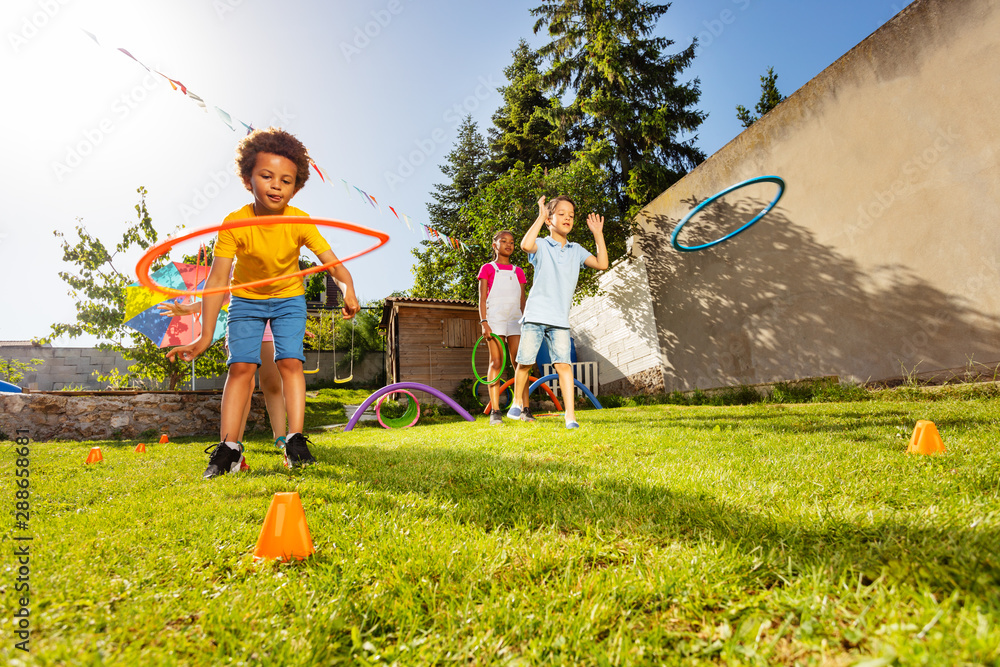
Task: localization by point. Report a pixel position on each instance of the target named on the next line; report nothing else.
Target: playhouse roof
(391, 301)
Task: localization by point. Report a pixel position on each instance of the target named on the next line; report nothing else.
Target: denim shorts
(557, 339)
(247, 319)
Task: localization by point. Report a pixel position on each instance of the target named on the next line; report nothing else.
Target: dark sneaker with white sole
(222, 459)
(496, 418)
(297, 451)
(526, 415)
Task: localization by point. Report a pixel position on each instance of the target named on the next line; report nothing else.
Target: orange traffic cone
(925, 439)
(140, 448)
(284, 534)
(95, 455)
(164, 439)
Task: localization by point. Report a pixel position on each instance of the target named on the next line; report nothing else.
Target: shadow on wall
(773, 304)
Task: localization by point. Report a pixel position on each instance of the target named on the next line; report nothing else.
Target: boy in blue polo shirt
(557, 263)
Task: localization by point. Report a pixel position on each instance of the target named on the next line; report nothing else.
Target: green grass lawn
(755, 535)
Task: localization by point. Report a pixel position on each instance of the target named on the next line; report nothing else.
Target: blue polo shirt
(557, 269)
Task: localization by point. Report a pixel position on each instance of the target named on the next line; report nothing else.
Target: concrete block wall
(76, 367)
(617, 329)
(64, 367)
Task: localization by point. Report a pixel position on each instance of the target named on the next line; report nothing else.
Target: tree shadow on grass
(498, 493)
(777, 303)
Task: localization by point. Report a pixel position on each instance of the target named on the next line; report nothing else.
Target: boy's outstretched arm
(600, 262)
(211, 304)
(344, 281)
(530, 236)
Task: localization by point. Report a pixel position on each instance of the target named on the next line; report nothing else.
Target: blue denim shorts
(247, 319)
(557, 338)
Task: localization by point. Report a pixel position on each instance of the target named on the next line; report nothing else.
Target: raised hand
(595, 223)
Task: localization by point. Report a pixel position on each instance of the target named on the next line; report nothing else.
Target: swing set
(319, 350)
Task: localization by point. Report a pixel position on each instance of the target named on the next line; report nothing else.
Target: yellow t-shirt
(265, 252)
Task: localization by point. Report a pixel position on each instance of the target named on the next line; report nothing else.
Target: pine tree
(440, 270)
(627, 102)
(770, 97)
(522, 131)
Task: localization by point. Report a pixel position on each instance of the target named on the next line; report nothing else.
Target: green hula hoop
(409, 417)
(503, 361)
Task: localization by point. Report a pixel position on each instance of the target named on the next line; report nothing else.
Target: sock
(234, 445)
(290, 436)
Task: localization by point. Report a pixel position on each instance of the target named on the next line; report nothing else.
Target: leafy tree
(511, 202)
(770, 97)
(14, 370)
(522, 130)
(440, 269)
(98, 288)
(626, 101)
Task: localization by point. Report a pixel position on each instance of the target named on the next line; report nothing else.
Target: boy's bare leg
(512, 344)
(270, 385)
(234, 400)
(246, 409)
(293, 386)
(568, 390)
(521, 386)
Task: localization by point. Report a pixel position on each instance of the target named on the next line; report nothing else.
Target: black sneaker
(526, 415)
(222, 459)
(496, 418)
(297, 451)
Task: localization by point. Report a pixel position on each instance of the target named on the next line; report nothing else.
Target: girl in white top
(501, 303)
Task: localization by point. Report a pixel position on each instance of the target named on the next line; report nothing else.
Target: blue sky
(375, 89)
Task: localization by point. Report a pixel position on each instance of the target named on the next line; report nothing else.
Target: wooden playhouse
(430, 341)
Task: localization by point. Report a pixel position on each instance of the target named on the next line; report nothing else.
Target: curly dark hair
(272, 140)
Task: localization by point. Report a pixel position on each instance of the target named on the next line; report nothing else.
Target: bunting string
(428, 232)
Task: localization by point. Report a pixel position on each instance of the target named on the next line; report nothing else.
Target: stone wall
(117, 415)
(617, 329)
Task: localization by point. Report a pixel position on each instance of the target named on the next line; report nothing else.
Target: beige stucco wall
(882, 255)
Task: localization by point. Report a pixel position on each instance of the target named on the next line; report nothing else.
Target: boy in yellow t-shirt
(274, 166)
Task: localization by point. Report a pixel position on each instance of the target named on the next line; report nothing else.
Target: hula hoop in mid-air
(158, 250)
(750, 181)
(503, 360)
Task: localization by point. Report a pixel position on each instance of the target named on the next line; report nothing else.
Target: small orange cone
(140, 448)
(284, 534)
(164, 439)
(925, 439)
(95, 455)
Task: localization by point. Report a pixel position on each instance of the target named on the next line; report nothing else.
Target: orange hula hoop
(159, 249)
(555, 401)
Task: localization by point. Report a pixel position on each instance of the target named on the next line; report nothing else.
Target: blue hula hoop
(757, 179)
